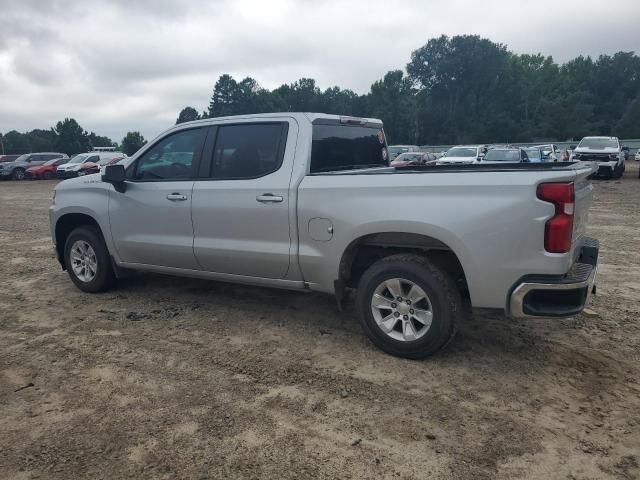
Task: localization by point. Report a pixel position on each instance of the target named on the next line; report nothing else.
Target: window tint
(248, 151)
(346, 147)
(171, 158)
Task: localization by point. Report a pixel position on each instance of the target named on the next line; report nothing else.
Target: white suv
(73, 167)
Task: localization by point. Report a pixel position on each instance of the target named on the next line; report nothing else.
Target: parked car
(606, 151)
(501, 155)
(536, 155)
(8, 158)
(72, 167)
(464, 154)
(552, 152)
(46, 171)
(413, 158)
(308, 202)
(395, 150)
(17, 168)
(637, 156)
(107, 158)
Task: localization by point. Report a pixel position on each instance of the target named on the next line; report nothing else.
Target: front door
(151, 221)
(241, 206)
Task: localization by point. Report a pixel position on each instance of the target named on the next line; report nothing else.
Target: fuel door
(321, 229)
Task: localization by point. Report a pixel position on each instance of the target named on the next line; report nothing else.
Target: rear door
(241, 202)
(151, 220)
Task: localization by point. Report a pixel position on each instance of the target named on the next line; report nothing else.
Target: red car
(88, 168)
(46, 171)
(409, 159)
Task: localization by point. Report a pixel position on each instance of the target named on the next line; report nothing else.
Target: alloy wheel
(402, 309)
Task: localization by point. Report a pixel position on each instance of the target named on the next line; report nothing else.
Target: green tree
(187, 114)
(463, 80)
(224, 97)
(16, 143)
(99, 141)
(71, 137)
(132, 142)
(393, 100)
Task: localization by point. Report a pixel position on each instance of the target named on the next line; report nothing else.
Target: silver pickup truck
(308, 202)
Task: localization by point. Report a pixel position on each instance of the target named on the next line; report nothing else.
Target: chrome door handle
(176, 197)
(269, 198)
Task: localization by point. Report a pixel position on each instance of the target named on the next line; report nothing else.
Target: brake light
(558, 231)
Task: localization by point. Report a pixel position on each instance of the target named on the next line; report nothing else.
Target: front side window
(249, 150)
(347, 147)
(171, 158)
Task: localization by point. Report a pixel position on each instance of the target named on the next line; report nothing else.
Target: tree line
(465, 89)
(66, 137)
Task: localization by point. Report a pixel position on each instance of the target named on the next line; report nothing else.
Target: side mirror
(115, 175)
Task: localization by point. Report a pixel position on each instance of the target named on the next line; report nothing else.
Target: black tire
(443, 294)
(18, 174)
(47, 176)
(104, 277)
(617, 172)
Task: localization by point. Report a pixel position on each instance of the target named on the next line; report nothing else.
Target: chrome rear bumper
(557, 296)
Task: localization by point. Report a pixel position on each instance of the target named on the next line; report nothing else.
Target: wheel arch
(367, 249)
(65, 225)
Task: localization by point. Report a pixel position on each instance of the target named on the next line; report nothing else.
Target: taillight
(558, 231)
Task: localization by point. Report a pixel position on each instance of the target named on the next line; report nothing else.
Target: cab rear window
(347, 147)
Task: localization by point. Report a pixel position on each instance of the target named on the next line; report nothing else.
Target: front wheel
(47, 176)
(87, 260)
(18, 174)
(408, 307)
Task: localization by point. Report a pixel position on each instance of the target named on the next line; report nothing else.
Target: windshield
(533, 153)
(597, 143)
(22, 158)
(502, 156)
(52, 161)
(78, 159)
(461, 152)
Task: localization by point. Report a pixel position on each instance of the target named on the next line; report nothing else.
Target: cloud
(119, 65)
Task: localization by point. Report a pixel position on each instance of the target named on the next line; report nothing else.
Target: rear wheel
(87, 260)
(408, 307)
(18, 174)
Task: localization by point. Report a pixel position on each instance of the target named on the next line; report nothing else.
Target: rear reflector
(558, 231)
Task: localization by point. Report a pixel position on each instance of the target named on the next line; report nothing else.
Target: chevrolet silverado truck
(606, 151)
(309, 202)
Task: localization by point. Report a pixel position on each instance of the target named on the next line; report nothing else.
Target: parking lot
(175, 378)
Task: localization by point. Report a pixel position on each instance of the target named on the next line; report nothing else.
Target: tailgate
(584, 196)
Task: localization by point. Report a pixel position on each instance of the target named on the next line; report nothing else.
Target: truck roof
(305, 116)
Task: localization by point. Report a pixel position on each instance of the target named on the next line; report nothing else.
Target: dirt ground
(172, 378)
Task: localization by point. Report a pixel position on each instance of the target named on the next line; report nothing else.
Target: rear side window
(248, 150)
(347, 147)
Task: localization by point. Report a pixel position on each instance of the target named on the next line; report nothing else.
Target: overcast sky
(120, 65)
